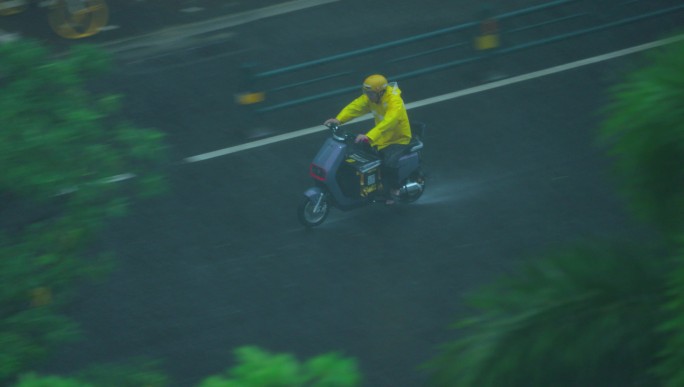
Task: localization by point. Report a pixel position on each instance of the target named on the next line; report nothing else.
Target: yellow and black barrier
(247, 84)
(488, 38)
(249, 98)
(487, 35)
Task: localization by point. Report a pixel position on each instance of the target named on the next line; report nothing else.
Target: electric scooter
(348, 176)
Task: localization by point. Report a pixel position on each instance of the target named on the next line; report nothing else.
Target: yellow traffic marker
(487, 42)
(489, 35)
(250, 98)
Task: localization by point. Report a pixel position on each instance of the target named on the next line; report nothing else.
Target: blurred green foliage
(644, 131)
(259, 368)
(586, 316)
(671, 368)
(33, 380)
(601, 315)
(59, 143)
(56, 136)
(255, 368)
(134, 372)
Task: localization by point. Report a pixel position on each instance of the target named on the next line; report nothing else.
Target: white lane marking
(110, 27)
(118, 178)
(108, 180)
(444, 97)
(258, 143)
(6, 37)
(545, 72)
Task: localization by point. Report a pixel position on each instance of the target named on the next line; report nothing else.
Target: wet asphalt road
(220, 260)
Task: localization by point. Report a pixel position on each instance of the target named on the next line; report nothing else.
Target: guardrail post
(247, 93)
(248, 100)
(486, 42)
(488, 35)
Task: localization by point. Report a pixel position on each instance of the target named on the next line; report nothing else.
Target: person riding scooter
(392, 132)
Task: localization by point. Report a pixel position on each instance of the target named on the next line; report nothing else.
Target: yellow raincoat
(391, 121)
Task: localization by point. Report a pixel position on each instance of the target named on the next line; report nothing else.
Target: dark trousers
(390, 164)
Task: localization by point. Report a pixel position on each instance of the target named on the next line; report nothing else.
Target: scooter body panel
(408, 164)
(329, 157)
(350, 175)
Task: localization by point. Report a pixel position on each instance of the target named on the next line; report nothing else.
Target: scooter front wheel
(313, 211)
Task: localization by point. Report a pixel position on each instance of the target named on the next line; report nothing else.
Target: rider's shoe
(394, 196)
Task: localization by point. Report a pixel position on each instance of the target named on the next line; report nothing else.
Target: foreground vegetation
(602, 313)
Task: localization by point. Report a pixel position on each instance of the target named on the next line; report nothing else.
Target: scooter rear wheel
(307, 213)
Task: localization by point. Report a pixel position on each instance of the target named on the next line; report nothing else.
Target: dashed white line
(445, 97)
(110, 27)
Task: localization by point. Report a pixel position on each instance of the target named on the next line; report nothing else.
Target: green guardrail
(487, 42)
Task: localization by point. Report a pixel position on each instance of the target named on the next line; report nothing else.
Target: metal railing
(509, 32)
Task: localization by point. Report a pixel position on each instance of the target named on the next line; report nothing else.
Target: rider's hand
(361, 138)
(332, 121)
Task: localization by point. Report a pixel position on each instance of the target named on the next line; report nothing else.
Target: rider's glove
(332, 121)
(361, 138)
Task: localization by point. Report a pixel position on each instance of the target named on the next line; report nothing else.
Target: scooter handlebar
(337, 131)
(341, 134)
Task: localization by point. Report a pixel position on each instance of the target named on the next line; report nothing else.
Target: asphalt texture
(220, 261)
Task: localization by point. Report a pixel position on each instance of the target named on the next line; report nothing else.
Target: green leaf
(644, 132)
(259, 368)
(332, 370)
(134, 372)
(582, 316)
(672, 357)
(58, 143)
(33, 380)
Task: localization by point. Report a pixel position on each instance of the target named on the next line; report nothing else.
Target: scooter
(348, 176)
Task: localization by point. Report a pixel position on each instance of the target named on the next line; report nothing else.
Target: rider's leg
(390, 163)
